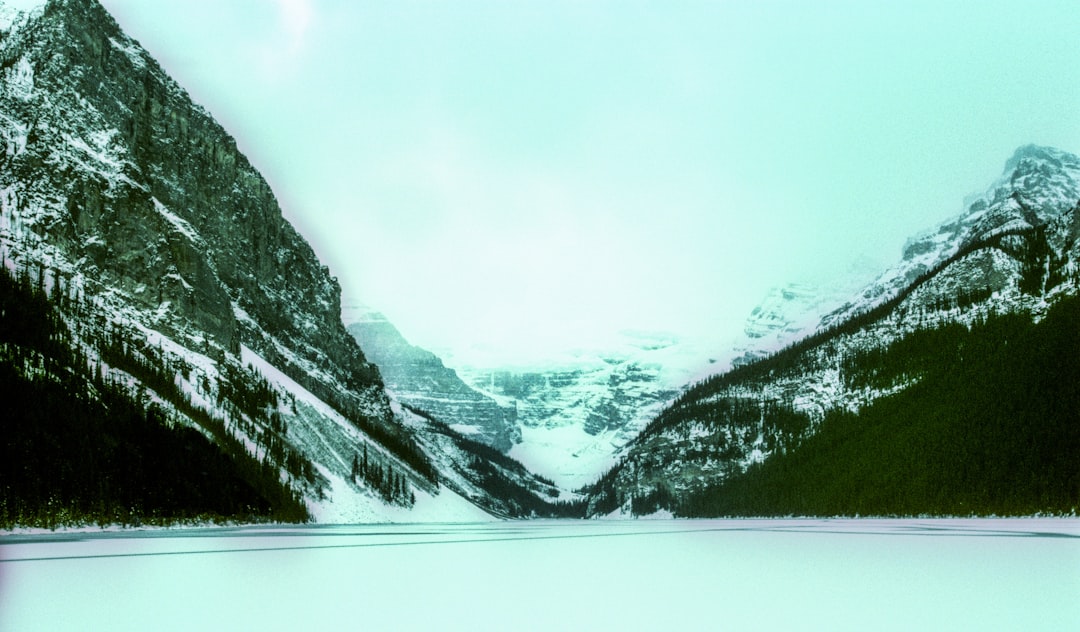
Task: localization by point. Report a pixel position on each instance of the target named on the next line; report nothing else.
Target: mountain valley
(172, 349)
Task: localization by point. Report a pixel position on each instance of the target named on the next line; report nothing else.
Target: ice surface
(596, 575)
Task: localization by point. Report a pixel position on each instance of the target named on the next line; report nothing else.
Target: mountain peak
(1039, 184)
(1046, 179)
(1040, 154)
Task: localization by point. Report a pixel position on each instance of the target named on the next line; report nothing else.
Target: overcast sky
(530, 176)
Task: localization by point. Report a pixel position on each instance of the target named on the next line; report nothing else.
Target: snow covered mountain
(1038, 187)
(417, 377)
(793, 311)
(575, 415)
(1013, 250)
(565, 422)
(179, 284)
(152, 273)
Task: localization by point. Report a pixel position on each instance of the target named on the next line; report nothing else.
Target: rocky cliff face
(1014, 249)
(416, 377)
(118, 190)
(111, 164)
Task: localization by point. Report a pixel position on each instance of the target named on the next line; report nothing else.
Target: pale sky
(531, 176)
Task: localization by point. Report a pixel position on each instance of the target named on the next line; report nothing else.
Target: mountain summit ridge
(1038, 185)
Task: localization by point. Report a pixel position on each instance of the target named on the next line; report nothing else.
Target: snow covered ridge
(1039, 185)
(1015, 249)
(117, 189)
(788, 313)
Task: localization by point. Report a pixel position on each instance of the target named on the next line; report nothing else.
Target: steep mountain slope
(490, 479)
(1013, 250)
(135, 211)
(465, 432)
(418, 378)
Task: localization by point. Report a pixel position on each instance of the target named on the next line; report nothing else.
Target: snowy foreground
(600, 575)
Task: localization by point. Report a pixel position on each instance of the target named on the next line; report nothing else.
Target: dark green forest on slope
(78, 448)
(991, 428)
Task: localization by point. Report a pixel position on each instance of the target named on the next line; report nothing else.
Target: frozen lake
(598, 575)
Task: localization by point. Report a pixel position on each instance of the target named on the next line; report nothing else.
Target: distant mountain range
(565, 423)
